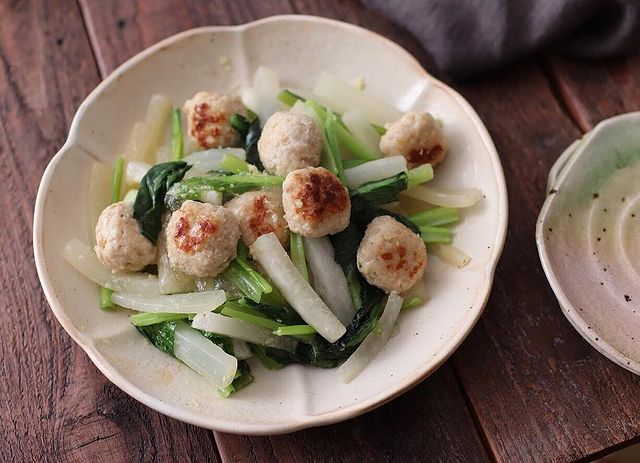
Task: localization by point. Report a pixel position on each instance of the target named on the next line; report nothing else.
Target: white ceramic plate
(588, 237)
(299, 48)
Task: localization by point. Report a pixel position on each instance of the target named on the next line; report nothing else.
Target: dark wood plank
(430, 422)
(54, 404)
(596, 90)
(540, 392)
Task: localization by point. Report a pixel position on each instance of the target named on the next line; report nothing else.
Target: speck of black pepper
(553, 192)
(121, 23)
(604, 268)
(550, 229)
(633, 215)
(598, 238)
(588, 327)
(570, 214)
(623, 199)
(602, 283)
(604, 230)
(59, 41)
(605, 209)
(627, 298)
(594, 253)
(597, 339)
(632, 338)
(595, 196)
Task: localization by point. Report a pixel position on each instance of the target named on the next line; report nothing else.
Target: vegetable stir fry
(271, 228)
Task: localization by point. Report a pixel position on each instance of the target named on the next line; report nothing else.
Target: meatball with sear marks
(315, 202)
(202, 238)
(120, 244)
(391, 256)
(209, 120)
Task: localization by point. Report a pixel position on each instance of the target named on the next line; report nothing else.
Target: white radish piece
(449, 254)
(130, 197)
(203, 162)
(188, 303)
(241, 349)
(100, 180)
(243, 330)
(133, 148)
(84, 260)
(270, 254)
(266, 84)
(134, 172)
(374, 342)
(171, 280)
(375, 170)
(360, 128)
(341, 97)
(328, 278)
(444, 198)
(211, 197)
(155, 123)
(203, 356)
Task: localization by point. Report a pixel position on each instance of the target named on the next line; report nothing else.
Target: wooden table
(523, 387)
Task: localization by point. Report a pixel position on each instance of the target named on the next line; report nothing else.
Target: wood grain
(596, 90)
(431, 420)
(54, 404)
(540, 392)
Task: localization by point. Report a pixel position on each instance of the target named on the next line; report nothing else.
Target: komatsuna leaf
(149, 203)
(249, 132)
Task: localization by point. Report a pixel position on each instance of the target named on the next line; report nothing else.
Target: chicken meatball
(120, 245)
(202, 238)
(315, 202)
(209, 119)
(289, 141)
(259, 213)
(418, 137)
(391, 256)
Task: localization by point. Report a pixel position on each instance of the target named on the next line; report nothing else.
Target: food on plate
(391, 256)
(315, 202)
(209, 119)
(202, 238)
(418, 137)
(289, 141)
(259, 213)
(275, 230)
(120, 245)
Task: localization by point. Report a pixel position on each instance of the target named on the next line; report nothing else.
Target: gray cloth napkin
(465, 37)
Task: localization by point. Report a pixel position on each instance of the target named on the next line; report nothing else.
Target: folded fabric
(468, 36)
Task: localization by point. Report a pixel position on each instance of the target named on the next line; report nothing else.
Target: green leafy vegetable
(233, 310)
(147, 208)
(234, 164)
(267, 360)
(294, 330)
(382, 191)
(116, 188)
(363, 212)
(436, 217)
(243, 378)
(241, 274)
(177, 144)
(153, 318)
(419, 175)
(233, 184)
(297, 254)
(288, 97)
(411, 303)
(161, 335)
(440, 235)
(354, 146)
(249, 132)
(333, 148)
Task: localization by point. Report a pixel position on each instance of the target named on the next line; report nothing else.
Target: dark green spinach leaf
(249, 132)
(149, 203)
